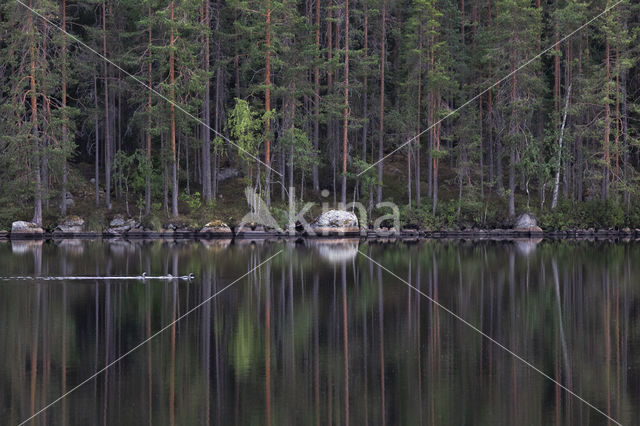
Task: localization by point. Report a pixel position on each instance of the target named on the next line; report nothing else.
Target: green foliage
(303, 153)
(590, 214)
(193, 201)
(244, 126)
(131, 171)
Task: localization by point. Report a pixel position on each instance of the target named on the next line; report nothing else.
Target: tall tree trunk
(97, 139)
(556, 74)
(107, 118)
(382, 68)
(316, 98)
(218, 100)
(330, 123)
(236, 57)
(436, 149)
(63, 54)
(45, 118)
(365, 90)
(37, 205)
(345, 113)
(147, 186)
(206, 113)
(512, 148)
(607, 124)
(172, 81)
(556, 185)
(409, 183)
(267, 104)
(418, 117)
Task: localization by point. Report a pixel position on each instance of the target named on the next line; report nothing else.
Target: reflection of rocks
(26, 246)
(527, 247)
(217, 244)
(336, 251)
(71, 224)
(335, 222)
(22, 228)
(121, 247)
(249, 241)
(72, 246)
(527, 222)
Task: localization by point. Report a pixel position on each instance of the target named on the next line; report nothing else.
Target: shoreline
(404, 235)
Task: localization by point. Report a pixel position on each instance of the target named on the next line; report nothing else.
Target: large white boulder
(336, 221)
(527, 222)
(216, 227)
(22, 227)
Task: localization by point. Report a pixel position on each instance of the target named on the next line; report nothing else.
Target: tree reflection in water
(320, 334)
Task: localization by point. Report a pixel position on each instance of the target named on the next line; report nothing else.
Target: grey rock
(22, 227)
(119, 220)
(527, 222)
(120, 225)
(71, 224)
(337, 219)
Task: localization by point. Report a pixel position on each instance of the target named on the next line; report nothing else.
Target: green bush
(417, 217)
(590, 214)
(191, 200)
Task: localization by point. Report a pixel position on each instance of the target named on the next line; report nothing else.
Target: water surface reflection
(321, 335)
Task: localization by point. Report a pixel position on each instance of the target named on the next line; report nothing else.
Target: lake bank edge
(366, 234)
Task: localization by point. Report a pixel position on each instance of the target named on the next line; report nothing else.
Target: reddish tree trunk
(381, 129)
(172, 81)
(267, 102)
(345, 114)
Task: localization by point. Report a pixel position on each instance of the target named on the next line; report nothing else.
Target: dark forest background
(321, 90)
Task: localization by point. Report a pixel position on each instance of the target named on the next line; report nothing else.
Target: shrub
(590, 214)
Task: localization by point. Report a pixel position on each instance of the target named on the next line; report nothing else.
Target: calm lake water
(320, 334)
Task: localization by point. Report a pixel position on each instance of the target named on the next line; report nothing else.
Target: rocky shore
(331, 225)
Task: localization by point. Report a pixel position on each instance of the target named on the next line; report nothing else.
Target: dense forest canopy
(518, 104)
